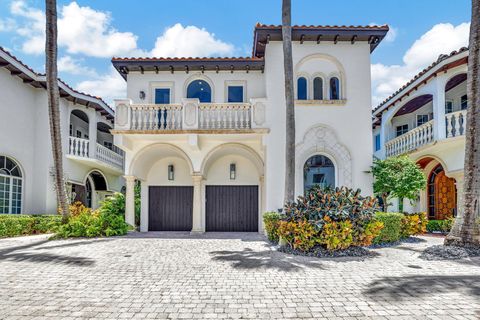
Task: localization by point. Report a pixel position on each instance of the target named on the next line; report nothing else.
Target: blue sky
(93, 31)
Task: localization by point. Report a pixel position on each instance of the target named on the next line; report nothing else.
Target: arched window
(200, 89)
(301, 88)
(318, 170)
(318, 88)
(10, 186)
(334, 88)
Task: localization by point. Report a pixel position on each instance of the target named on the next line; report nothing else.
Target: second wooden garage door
(232, 208)
(170, 208)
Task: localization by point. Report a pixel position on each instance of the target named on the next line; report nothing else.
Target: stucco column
(198, 199)
(144, 207)
(92, 133)
(261, 189)
(130, 200)
(439, 131)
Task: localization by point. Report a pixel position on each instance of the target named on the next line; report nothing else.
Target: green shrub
(271, 221)
(335, 218)
(440, 225)
(392, 227)
(108, 220)
(413, 224)
(12, 225)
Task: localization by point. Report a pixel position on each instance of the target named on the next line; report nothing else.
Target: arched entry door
(318, 170)
(442, 195)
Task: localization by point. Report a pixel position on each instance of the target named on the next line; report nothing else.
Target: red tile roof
(325, 27)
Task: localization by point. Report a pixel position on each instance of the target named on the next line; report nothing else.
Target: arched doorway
(201, 90)
(10, 186)
(318, 170)
(442, 195)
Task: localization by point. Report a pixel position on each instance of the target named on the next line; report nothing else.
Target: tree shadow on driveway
(266, 259)
(24, 253)
(418, 286)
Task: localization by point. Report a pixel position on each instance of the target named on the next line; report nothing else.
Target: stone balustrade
(80, 148)
(456, 123)
(420, 135)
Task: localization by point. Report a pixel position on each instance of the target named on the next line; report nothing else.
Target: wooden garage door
(232, 208)
(170, 208)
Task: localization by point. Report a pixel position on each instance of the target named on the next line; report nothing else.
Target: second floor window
(421, 119)
(402, 130)
(235, 93)
(334, 88)
(464, 102)
(201, 90)
(302, 88)
(318, 88)
(377, 142)
(448, 106)
(162, 96)
(79, 134)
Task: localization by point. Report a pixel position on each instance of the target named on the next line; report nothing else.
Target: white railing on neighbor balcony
(225, 116)
(156, 117)
(79, 147)
(413, 139)
(109, 156)
(456, 123)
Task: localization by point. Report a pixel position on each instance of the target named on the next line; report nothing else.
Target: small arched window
(302, 88)
(10, 186)
(334, 88)
(201, 90)
(318, 88)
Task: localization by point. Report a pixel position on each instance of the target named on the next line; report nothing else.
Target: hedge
(12, 225)
(392, 227)
(443, 226)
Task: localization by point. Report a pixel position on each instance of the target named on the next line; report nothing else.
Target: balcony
(424, 134)
(190, 116)
(110, 160)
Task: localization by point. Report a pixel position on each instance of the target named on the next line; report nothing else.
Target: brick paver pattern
(226, 276)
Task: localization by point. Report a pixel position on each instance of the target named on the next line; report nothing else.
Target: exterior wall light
(171, 175)
(141, 95)
(233, 171)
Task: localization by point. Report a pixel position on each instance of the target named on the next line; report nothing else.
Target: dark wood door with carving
(232, 208)
(170, 208)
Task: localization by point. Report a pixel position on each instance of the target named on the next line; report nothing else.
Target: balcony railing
(225, 116)
(189, 115)
(456, 123)
(413, 139)
(79, 147)
(156, 117)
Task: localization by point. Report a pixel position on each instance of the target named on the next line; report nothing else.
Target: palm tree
(290, 110)
(466, 230)
(53, 105)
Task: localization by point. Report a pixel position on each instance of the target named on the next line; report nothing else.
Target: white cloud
(108, 86)
(81, 30)
(443, 38)
(391, 35)
(7, 24)
(190, 41)
(74, 66)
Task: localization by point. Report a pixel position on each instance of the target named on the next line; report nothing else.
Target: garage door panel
(232, 208)
(170, 208)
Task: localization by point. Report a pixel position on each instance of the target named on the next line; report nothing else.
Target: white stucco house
(426, 119)
(93, 166)
(206, 136)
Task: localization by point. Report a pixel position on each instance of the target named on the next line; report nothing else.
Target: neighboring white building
(206, 136)
(426, 119)
(91, 167)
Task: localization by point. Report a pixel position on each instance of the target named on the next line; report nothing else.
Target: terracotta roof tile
(373, 27)
(186, 59)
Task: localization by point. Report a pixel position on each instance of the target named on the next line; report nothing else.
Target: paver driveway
(226, 276)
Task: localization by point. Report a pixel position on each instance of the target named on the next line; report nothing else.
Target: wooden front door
(232, 208)
(170, 208)
(445, 196)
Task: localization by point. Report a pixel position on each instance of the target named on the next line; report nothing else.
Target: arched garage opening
(232, 187)
(166, 188)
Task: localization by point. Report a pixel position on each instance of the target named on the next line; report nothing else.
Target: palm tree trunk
(466, 230)
(53, 105)
(290, 108)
